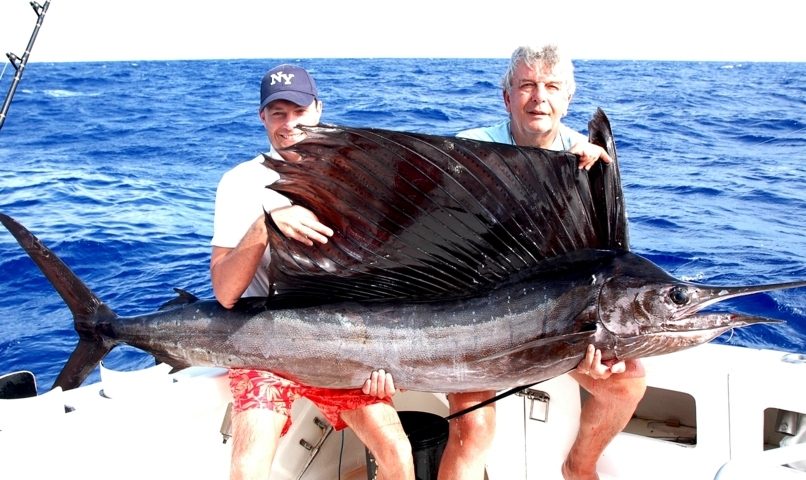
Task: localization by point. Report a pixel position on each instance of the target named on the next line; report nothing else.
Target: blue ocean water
(114, 166)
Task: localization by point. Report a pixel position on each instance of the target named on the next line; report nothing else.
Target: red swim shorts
(261, 389)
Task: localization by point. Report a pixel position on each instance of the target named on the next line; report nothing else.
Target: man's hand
(592, 365)
(300, 224)
(379, 384)
(589, 154)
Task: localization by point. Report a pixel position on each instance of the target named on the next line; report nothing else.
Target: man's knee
(393, 453)
(630, 390)
(632, 385)
(379, 427)
(628, 387)
(474, 430)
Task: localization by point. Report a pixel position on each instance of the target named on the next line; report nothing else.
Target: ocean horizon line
(33, 60)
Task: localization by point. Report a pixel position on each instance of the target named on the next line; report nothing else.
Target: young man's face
(536, 100)
(281, 118)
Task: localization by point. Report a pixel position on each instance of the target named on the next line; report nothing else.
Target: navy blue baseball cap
(287, 82)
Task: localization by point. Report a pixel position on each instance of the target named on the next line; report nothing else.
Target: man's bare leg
(378, 427)
(605, 413)
(469, 439)
(255, 435)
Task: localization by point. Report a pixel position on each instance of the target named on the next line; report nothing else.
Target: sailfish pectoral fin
(565, 341)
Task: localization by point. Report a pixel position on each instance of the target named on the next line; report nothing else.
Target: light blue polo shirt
(501, 133)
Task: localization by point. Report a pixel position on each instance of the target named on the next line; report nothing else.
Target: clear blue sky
(80, 30)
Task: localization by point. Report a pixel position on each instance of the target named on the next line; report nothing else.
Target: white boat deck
(709, 413)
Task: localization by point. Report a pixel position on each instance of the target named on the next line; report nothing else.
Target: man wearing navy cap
(239, 268)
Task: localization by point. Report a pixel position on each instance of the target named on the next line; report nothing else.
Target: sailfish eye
(679, 295)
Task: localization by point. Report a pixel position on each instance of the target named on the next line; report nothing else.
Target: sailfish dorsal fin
(431, 217)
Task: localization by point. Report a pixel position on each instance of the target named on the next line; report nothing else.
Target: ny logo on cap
(281, 77)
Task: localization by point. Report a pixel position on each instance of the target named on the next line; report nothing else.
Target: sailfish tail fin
(89, 312)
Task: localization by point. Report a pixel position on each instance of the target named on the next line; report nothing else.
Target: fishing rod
(20, 62)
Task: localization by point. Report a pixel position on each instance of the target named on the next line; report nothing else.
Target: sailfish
(455, 265)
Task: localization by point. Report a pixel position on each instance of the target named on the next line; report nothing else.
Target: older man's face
(536, 101)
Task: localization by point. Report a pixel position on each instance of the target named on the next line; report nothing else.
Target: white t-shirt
(240, 198)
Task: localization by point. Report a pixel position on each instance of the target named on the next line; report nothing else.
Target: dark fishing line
(489, 401)
(341, 454)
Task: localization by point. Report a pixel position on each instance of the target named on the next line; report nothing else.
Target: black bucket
(428, 434)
